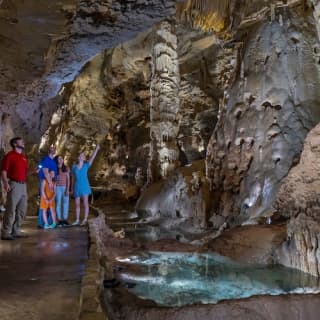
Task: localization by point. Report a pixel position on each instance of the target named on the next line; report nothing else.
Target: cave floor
(40, 276)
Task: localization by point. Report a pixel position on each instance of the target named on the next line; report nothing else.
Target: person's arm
(72, 181)
(47, 177)
(43, 193)
(54, 193)
(67, 183)
(5, 182)
(94, 153)
(4, 176)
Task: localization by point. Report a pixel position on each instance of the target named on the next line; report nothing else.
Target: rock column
(164, 104)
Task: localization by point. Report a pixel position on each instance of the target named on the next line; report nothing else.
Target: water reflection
(175, 279)
(139, 230)
(142, 233)
(9, 248)
(52, 247)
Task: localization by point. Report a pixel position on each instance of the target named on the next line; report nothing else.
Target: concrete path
(40, 276)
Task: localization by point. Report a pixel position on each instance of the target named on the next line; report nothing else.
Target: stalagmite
(164, 102)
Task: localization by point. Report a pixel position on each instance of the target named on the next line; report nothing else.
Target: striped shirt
(62, 178)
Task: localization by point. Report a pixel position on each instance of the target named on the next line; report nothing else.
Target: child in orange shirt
(47, 201)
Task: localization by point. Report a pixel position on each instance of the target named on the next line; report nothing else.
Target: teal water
(177, 279)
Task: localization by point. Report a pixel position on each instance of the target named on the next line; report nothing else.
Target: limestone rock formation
(266, 84)
(182, 201)
(165, 103)
(265, 115)
(299, 200)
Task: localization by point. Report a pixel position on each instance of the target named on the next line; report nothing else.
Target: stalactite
(273, 12)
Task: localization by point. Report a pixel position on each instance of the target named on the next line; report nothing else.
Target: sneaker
(76, 223)
(53, 225)
(65, 223)
(2, 208)
(46, 226)
(84, 223)
(60, 223)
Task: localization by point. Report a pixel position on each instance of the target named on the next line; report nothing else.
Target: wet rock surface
(250, 244)
(40, 276)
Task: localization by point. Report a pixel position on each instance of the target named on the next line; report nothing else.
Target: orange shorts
(44, 205)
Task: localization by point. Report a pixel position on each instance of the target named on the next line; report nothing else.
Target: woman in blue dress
(80, 185)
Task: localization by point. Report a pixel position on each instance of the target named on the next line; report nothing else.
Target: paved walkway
(40, 276)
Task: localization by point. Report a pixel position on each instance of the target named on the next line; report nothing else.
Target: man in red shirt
(14, 174)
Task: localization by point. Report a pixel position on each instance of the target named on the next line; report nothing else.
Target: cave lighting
(61, 90)
(208, 15)
(43, 141)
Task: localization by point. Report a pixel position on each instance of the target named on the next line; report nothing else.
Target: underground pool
(175, 279)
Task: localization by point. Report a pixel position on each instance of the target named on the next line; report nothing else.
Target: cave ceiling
(46, 43)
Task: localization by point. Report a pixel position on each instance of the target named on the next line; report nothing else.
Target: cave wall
(265, 115)
(299, 200)
(108, 104)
